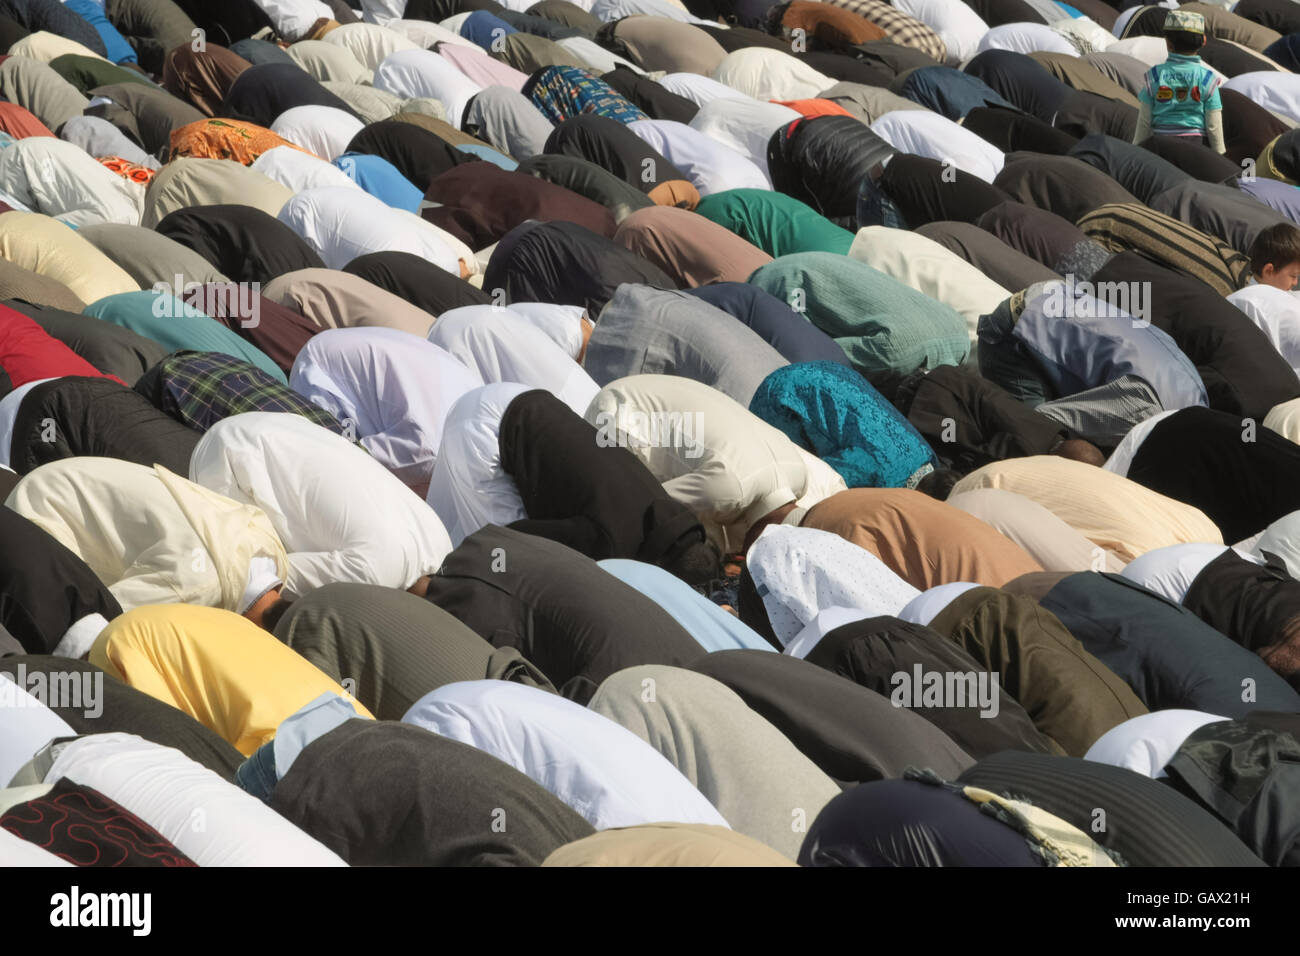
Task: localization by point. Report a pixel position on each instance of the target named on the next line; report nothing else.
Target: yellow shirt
(218, 667)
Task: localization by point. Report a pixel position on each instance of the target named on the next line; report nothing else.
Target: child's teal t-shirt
(1180, 92)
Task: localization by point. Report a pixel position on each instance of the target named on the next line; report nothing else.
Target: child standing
(1180, 97)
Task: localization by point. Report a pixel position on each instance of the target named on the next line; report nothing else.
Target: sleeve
(1144, 122)
(1212, 99)
(1214, 130)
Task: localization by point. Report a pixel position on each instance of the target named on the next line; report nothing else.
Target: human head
(697, 564)
(1076, 449)
(939, 483)
(1275, 256)
(1184, 31)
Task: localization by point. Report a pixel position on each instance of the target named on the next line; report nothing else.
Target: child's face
(1284, 278)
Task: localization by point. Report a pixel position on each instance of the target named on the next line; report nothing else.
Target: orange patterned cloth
(814, 107)
(224, 139)
(128, 170)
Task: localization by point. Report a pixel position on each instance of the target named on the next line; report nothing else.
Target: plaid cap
(1186, 21)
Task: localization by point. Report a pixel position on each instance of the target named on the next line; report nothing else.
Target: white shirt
(610, 10)
(382, 11)
(1121, 459)
(415, 73)
(300, 171)
(26, 725)
(960, 27)
(1145, 744)
(395, 388)
(562, 324)
(59, 179)
(931, 269)
(1170, 571)
(1029, 38)
(469, 489)
(927, 605)
(710, 452)
(293, 18)
(799, 572)
(1277, 313)
(341, 515)
(1282, 538)
(503, 347)
(826, 621)
(324, 131)
(710, 166)
(603, 771)
(213, 822)
(369, 43)
(1276, 91)
(928, 134)
(743, 125)
(768, 74)
(342, 224)
(9, 406)
(700, 89)
(425, 34)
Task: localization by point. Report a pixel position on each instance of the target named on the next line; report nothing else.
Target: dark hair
(1184, 41)
(939, 483)
(697, 564)
(271, 616)
(1277, 246)
(1077, 449)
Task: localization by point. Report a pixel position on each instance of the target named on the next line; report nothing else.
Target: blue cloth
(834, 413)
(118, 50)
(175, 325)
(712, 627)
(875, 208)
(381, 179)
(491, 155)
(1080, 342)
(797, 339)
(950, 92)
(1281, 196)
(480, 28)
(1286, 52)
(1076, 14)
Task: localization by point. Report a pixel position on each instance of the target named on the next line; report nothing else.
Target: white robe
(923, 133)
(341, 515)
(469, 488)
(173, 794)
(503, 347)
(959, 26)
(802, 571)
(299, 171)
(423, 73)
(59, 179)
(710, 166)
(342, 224)
(744, 125)
(1145, 744)
(395, 389)
(767, 74)
(603, 771)
(324, 131)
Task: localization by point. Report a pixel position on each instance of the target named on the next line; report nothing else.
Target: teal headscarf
(176, 326)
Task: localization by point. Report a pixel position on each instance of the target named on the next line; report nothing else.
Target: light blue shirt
(712, 627)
